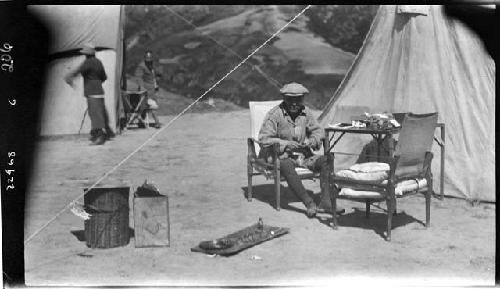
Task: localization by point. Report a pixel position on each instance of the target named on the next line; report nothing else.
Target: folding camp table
(134, 104)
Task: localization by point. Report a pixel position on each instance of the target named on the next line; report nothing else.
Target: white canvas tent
(420, 61)
(72, 26)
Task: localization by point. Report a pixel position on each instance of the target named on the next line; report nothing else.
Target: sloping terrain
(171, 103)
(193, 59)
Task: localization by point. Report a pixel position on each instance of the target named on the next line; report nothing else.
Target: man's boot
(311, 209)
(109, 133)
(100, 138)
(93, 135)
(325, 206)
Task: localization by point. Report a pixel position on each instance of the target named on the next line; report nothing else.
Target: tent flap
(64, 107)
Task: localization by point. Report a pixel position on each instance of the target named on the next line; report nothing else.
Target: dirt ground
(200, 163)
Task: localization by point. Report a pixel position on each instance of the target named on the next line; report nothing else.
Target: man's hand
(308, 143)
(291, 145)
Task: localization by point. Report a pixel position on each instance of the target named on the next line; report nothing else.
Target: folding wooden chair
(407, 172)
(134, 105)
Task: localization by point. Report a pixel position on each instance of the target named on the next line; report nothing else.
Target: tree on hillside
(343, 26)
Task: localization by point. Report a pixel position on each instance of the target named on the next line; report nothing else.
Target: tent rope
(163, 128)
(271, 80)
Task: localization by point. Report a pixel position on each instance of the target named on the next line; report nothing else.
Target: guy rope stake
(163, 128)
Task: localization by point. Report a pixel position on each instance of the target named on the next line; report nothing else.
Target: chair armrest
(255, 140)
(263, 163)
(276, 151)
(427, 163)
(251, 148)
(276, 156)
(252, 155)
(392, 179)
(393, 162)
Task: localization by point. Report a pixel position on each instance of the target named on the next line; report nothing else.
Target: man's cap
(294, 89)
(88, 49)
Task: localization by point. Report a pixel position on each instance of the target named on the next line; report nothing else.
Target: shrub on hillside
(343, 26)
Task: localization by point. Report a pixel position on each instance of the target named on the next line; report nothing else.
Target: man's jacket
(278, 127)
(93, 75)
(146, 78)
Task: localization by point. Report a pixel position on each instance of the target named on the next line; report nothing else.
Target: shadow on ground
(80, 234)
(355, 218)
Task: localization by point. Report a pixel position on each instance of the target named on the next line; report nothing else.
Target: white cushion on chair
(401, 187)
(303, 171)
(374, 171)
(370, 167)
(410, 185)
(360, 194)
(371, 171)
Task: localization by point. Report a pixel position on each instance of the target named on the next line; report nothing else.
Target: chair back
(131, 99)
(415, 139)
(258, 111)
(399, 116)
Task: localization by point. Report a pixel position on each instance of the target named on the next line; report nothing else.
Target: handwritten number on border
(10, 172)
(6, 59)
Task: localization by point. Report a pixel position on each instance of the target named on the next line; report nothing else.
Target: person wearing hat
(93, 73)
(292, 125)
(146, 79)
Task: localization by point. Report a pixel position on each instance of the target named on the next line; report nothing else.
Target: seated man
(293, 126)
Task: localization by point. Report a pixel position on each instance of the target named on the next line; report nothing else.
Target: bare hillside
(200, 44)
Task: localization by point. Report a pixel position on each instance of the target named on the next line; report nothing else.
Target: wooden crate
(151, 222)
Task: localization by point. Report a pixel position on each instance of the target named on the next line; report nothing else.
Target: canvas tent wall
(420, 61)
(71, 27)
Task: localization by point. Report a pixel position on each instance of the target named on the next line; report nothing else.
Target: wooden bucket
(108, 227)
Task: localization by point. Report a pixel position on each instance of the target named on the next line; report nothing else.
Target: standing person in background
(146, 79)
(92, 71)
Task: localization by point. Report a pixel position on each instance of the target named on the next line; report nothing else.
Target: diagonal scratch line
(163, 128)
(256, 67)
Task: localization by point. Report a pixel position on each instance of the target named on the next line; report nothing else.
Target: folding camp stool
(135, 104)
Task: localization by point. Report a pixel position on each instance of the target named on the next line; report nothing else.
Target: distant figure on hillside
(146, 75)
(292, 125)
(92, 71)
